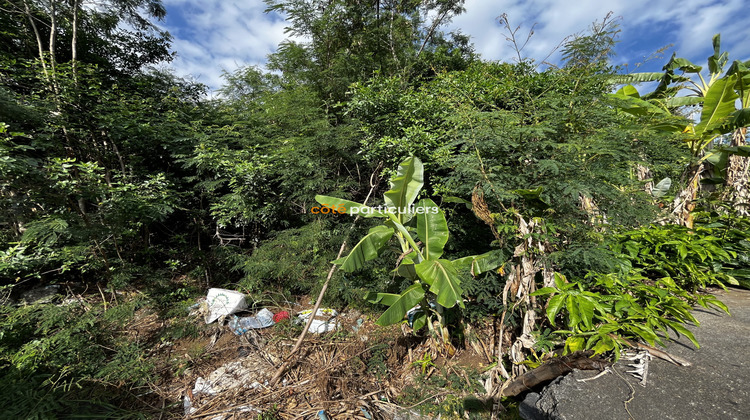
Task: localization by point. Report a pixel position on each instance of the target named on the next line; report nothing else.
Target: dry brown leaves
(331, 376)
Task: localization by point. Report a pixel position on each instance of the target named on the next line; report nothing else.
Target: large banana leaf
(678, 101)
(432, 229)
(636, 77)
(443, 279)
(350, 206)
(482, 263)
(742, 87)
(717, 61)
(719, 156)
(717, 107)
(405, 187)
(406, 267)
(387, 299)
(408, 299)
(367, 249)
(718, 159)
(662, 188)
(629, 90)
(635, 106)
(682, 64)
(737, 119)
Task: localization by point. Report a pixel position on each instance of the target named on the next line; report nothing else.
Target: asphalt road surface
(716, 386)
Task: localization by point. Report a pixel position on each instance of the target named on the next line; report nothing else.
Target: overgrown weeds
(72, 358)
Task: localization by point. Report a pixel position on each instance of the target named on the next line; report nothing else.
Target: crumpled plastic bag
(224, 379)
(223, 302)
(325, 320)
(263, 319)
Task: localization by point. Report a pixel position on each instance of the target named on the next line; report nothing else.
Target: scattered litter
(196, 306)
(324, 321)
(223, 302)
(189, 409)
(281, 316)
(358, 325)
(70, 301)
(246, 373)
(413, 313)
(262, 319)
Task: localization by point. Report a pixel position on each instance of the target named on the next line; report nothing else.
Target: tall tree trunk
(52, 34)
(39, 43)
(738, 187)
(74, 41)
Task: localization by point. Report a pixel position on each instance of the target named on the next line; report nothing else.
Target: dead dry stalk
(291, 358)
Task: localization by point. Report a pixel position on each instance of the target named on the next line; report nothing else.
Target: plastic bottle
(262, 319)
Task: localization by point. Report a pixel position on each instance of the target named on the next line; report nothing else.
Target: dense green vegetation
(125, 182)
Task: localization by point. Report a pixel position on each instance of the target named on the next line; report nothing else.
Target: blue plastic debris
(262, 319)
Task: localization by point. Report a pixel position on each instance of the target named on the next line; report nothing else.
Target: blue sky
(212, 36)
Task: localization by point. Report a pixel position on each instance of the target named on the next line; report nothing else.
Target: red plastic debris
(281, 316)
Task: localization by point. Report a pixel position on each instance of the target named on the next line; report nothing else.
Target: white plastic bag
(325, 320)
(222, 302)
(226, 378)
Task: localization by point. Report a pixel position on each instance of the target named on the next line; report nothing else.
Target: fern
(46, 232)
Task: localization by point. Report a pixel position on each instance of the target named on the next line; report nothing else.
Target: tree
(595, 48)
(269, 151)
(79, 109)
(541, 157)
(55, 31)
(352, 41)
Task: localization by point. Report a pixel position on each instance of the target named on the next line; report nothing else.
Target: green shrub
(60, 360)
(604, 307)
(294, 260)
(734, 233)
(691, 258)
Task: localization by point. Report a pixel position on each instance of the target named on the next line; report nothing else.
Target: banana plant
(717, 93)
(422, 249)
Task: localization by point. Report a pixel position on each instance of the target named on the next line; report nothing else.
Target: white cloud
(688, 24)
(224, 35)
(219, 35)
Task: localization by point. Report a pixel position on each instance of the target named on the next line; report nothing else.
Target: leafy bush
(293, 260)
(734, 233)
(91, 223)
(604, 307)
(65, 359)
(691, 258)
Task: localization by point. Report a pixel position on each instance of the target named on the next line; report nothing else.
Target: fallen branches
(661, 354)
(550, 370)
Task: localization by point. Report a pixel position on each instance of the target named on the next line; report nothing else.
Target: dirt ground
(358, 371)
